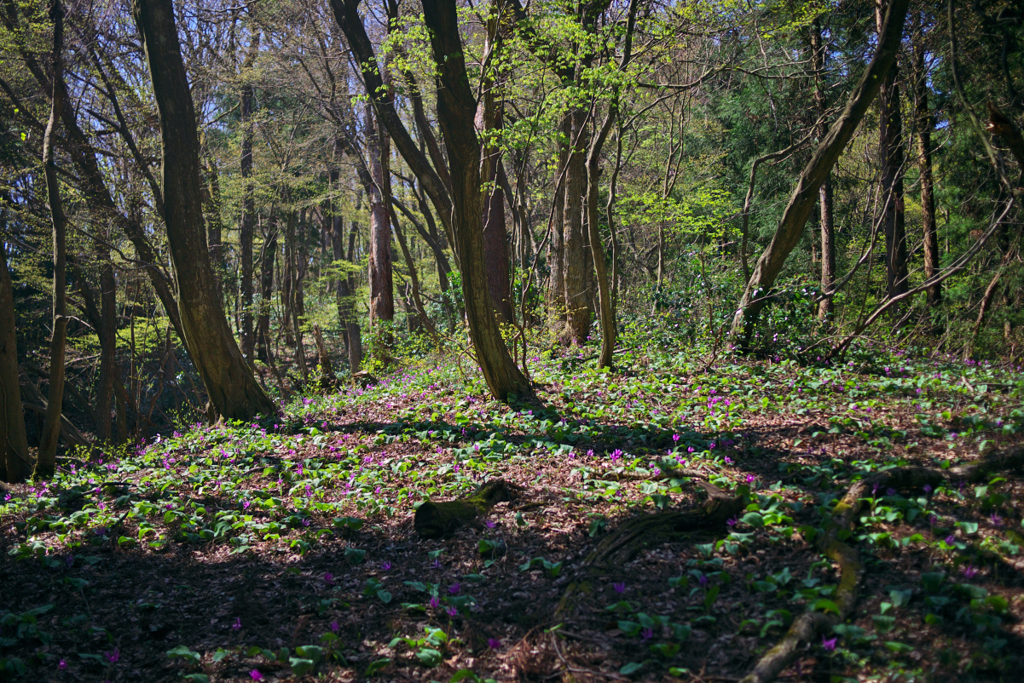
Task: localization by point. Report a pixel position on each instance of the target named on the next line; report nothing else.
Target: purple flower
(728, 460)
(455, 588)
(731, 521)
(246, 504)
(256, 675)
(949, 539)
(329, 579)
(829, 644)
(494, 643)
(385, 565)
(927, 488)
(703, 580)
(996, 519)
(969, 571)
(452, 612)
(490, 524)
(616, 454)
(238, 623)
(619, 588)
(62, 665)
(437, 564)
(434, 602)
(675, 438)
(647, 634)
(112, 656)
(334, 626)
(751, 478)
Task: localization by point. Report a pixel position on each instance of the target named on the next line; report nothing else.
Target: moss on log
(434, 520)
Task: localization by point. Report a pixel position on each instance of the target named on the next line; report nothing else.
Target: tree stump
(434, 520)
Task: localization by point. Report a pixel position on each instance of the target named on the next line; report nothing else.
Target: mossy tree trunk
(230, 384)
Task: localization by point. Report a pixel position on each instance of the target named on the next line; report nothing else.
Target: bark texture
(230, 385)
(382, 292)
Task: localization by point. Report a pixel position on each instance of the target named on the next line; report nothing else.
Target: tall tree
(891, 158)
(460, 211)
(15, 463)
(924, 123)
(248, 219)
(819, 52)
(230, 385)
(382, 296)
(805, 195)
(46, 461)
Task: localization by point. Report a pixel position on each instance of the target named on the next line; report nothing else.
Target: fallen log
(434, 520)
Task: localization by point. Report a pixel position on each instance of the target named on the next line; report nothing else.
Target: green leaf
(754, 519)
(825, 605)
(462, 675)
(384, 596)
(898, 647)
(428, 656)
(301, 666)
(630, 628)
(631, 668)
(314, 652)
(376, 666)
(354, 555)
(197, 678)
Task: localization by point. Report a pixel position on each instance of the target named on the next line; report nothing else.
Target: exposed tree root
(618, 547)
(434, 520)
(843, 517)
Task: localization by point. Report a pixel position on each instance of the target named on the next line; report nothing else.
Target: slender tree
(891, 158)
(46, 461)
(924, 123)
(230, 385)
(15, 463)
(805, 194)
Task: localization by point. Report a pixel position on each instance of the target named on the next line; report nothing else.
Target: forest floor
(286, 550)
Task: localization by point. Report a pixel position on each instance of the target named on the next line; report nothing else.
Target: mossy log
(851, 571)
(618, 547)
(434, 520)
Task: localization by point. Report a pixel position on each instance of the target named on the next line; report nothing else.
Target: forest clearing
(565, 340)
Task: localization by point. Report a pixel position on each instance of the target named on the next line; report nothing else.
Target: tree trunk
(556, 250)
(488, 121)
(266, 296)
(15, 464)
(924, 123)
(230, 384)
(346, 308)
(46, 462)
(577, 312)
(805, 195)
(413, 294)
(382, 297)
(827, 222)
(248, 219)
(891, 157)
(294, 279)
(456, 111)
(355, 345)
(107, 330)
(215, 227)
